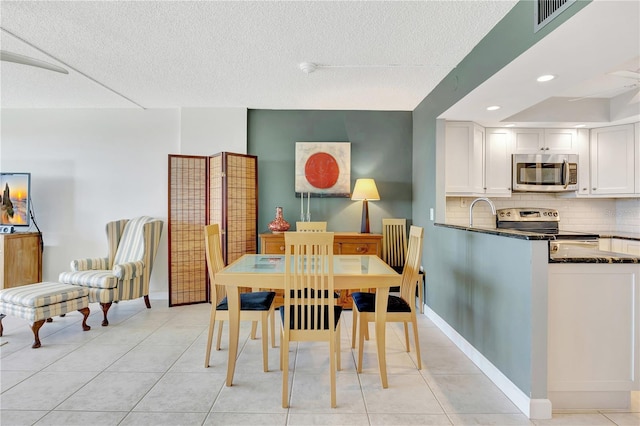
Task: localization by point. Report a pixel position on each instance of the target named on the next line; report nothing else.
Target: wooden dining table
(351, 272)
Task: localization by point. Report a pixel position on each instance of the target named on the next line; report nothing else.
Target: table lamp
(365, 190)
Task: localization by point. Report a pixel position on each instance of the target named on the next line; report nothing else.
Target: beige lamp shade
(365, 189)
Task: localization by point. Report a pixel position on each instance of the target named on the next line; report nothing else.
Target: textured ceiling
(158, 54)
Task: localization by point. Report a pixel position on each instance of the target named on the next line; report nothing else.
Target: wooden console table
(20, 259)
(343, 243)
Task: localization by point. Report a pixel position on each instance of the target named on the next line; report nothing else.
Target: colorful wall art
(323, 169)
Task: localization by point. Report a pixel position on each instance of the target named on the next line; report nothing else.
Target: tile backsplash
(576, 214)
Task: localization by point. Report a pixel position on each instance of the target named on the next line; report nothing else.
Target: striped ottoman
(39, 302)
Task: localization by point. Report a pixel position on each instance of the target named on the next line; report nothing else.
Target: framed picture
(323, 169)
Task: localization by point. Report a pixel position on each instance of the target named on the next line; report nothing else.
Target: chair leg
(146, 301)
(219, 339)
(338, 338)
(363, 326)
(212, 324)
(105, 309)
(272, 316)
(284, 350)
(354, 326)
(265, 343)
(406, 336)
(254, 327)
(417, 342)
(332, 364)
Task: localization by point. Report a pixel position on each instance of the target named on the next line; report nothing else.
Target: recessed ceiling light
(510, 125)
(546, 77)
(493, 108)
(580, 125)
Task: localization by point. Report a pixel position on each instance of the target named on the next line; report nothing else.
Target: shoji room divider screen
(222, 189)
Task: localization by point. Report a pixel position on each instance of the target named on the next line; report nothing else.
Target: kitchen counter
(566, 254)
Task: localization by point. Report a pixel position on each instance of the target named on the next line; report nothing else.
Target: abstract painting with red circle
(323, 168)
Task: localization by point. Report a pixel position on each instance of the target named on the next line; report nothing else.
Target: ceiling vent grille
(547, 10)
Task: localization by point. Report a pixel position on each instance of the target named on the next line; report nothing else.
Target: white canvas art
(323, 169)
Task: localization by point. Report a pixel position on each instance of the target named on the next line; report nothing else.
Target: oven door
(545, 173)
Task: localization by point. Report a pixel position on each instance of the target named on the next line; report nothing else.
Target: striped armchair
(124, 274)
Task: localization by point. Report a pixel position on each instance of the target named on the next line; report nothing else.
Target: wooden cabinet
(548, 141)
(222, 189)
(343, 243)
(20, 259)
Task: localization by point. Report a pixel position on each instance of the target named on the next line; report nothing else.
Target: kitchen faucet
(493, 208)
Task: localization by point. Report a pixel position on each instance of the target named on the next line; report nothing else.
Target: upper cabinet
(613, 156)
(464, 153)
(546, 141)
(497, 155)
(478, 160)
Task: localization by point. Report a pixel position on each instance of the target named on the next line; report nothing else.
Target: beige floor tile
(470, 394)
(162, 419)
(148, 359)
(246, 419)
(407, 394)
(624, 419)
(311, 393)
(111, 391)
(182, 392)
(380, 419)
(20, 417)
(82, 418)
(490, 419)
(576, 419)
(337, 419)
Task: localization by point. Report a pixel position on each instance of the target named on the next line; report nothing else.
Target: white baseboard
(532, 408)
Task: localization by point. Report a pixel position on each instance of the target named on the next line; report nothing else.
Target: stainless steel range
(543, 221)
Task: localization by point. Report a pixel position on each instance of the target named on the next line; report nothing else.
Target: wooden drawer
(275, 246)
(357, 248)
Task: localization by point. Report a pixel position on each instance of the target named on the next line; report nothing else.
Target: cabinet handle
(546, 149)
(282, 249)
(362, 249)
(584, 189)
(593, 189)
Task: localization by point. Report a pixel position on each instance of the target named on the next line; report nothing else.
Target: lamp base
(364, 226)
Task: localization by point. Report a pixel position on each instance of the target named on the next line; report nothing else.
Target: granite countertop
(511, 233)
(620, 235)
(567, 253)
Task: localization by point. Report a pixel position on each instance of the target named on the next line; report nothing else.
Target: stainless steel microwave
(545, 172)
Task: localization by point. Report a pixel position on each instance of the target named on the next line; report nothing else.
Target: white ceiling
(378, 55)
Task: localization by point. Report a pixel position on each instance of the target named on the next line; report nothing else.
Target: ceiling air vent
(547, 10)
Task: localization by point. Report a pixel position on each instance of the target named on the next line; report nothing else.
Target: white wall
(91, 166)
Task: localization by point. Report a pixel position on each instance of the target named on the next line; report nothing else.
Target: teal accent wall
(512, 36)
(381, 147)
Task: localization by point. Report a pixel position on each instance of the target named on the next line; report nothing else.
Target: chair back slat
(215, 261)
(412, 265)
(311, 226)
(309, 287)
(394, 241)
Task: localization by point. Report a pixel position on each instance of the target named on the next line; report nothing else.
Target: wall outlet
(431, 214)
(463, 202)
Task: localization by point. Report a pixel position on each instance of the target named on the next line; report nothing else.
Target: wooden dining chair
(309, 312)
(254, 306)
(394, 250)
(399, 309)
(311, 226)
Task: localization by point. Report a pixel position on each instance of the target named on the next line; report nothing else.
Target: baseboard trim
(533, 408)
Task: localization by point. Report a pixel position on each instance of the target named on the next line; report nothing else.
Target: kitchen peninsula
(552, 333)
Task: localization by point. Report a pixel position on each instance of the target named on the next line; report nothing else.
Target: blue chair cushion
(255, 301)
(366, 302)
(314, 318)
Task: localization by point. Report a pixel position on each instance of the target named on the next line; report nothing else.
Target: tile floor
(147, 368)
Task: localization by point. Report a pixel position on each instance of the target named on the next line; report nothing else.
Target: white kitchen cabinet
(497, 156)
(545, 141)
(478, 160)
(612, 160)
(593, 338)
(464, 158)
